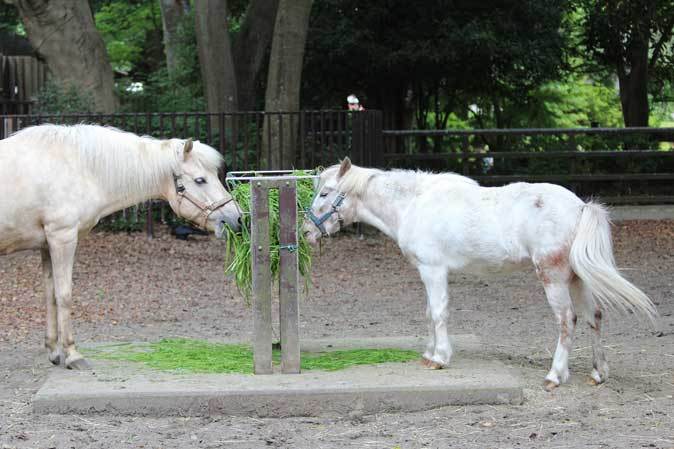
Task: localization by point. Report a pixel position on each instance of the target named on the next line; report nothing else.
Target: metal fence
(244, 138)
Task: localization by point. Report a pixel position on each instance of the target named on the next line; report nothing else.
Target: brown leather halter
(205, 210)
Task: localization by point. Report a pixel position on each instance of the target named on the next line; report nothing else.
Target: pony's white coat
(56, 182)
(447, 222)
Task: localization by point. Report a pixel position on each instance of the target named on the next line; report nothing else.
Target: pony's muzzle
(234, 223)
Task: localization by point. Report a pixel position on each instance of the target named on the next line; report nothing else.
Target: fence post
(7, 127)
(358, 137)
(377, 139)
(289, 318)
(149, 224)
(261, 279)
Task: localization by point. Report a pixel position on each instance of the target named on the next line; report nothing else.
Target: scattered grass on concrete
(197, 356)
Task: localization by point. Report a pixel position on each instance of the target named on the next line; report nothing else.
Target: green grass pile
(197, 356)
(239, 262)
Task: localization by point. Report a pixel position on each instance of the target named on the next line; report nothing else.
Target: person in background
(354, 104)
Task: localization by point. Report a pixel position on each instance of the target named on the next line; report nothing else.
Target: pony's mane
(122, 161)
(356, 179)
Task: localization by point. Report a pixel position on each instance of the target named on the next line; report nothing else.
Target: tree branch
(657, 49)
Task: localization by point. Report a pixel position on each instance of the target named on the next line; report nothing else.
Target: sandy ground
(127, 288)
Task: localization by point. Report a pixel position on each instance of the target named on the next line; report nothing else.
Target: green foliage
(124, 27)
(57, 98)
(572, 103)
(448, 54)
(197, 356)
(10, 22)
(170, 92)
(239, 263)
(617, 34)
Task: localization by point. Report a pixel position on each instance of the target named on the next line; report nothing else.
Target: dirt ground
(128, 288)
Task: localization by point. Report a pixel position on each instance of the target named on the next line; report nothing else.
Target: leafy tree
(173, 13)
(285, 78)
(132, 35)
(181, 90)
(432, 57)
(57, 98)
(74, 53)
(635, 40)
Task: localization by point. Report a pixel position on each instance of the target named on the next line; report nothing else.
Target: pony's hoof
(425, 362)
(434, 365)
(596, 378)
(55, 359)
(549, 385)
(79, 365)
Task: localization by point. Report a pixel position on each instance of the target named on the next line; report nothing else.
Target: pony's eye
(324, 194)
(200, 180)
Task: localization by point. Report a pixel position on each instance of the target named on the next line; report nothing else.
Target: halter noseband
(318, 221)
(205, 210)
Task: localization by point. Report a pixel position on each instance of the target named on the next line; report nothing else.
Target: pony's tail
(591, 258)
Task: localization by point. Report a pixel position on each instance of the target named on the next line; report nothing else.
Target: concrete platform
(131, 389)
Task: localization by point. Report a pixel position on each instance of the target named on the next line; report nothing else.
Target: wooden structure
(261, 184)
(21, 78)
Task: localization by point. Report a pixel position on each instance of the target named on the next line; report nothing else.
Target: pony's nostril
(238, 220)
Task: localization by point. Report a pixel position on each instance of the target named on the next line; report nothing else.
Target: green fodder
(238, 262)
(197, 356)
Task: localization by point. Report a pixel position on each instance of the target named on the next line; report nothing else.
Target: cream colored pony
(57, 182)
(447, 222)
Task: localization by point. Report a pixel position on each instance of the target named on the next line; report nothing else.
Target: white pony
(58, 181)
(447, 222)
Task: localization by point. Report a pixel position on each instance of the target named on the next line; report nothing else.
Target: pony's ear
(189, 144)
(344, 167)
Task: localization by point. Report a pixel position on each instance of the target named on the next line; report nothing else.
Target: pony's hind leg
(435, 281)
(560, 301)
(51, 334)
(593, 314)
(62, 246)
(555, 274)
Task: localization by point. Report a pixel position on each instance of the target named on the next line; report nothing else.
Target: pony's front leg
(62, 246)
(51, 334)
(559, 299)
(430, 344)
(435, 281)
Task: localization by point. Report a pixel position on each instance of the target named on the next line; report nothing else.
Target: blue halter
(318, 221)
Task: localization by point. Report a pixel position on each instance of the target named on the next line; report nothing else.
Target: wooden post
(8, 127)
(288, 279)
(377, 131)
(261, 278)
(149, 225)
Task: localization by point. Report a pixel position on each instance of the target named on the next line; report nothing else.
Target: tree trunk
(215, 55)
(633, 84)
(283, 80)
(250, 49)
(172, 12)
(63, 33)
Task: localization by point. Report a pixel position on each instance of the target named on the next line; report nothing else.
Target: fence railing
(620, 165)
(244, 138)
